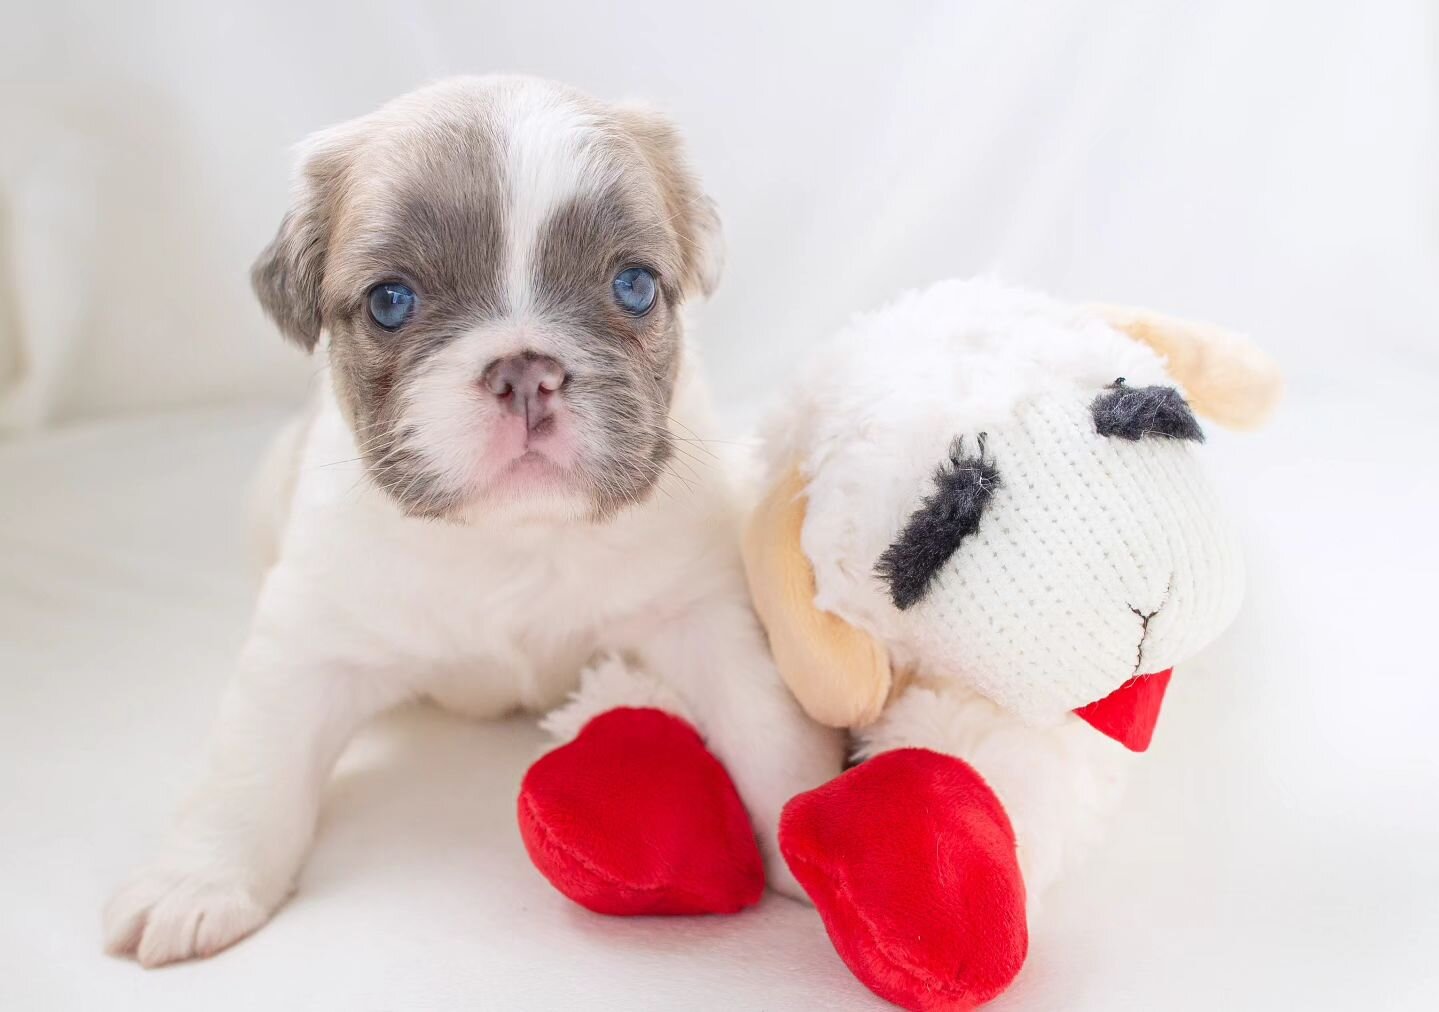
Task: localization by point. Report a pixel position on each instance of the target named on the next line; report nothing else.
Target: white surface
(1276, 852)
(1269, 165)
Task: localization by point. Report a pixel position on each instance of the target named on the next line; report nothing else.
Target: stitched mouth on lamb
(1130, 712)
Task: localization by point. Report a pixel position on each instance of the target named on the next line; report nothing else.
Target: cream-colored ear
(839, 674)
(1225, 377)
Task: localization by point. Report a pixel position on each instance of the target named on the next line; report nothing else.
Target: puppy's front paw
(168, 913)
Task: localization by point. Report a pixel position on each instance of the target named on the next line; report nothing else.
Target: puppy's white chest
(487, 617)
(509, 618)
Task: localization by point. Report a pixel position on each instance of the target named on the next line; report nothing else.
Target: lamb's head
(983, 486)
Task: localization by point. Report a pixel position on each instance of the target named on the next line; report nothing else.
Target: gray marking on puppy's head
(690, 215)
(288, 274)
(627, 371)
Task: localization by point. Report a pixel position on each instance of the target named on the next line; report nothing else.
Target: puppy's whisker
(695, 438)
(688, 454)
(415, 478)
(667, 472)
(389, 436)
(692, 445)
(688, 464)
(374, 444)
(679, 234)
(686, 482)
(706, 441)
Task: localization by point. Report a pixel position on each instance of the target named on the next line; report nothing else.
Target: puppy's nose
(525, 384)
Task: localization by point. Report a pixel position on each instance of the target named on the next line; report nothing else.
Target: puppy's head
(498, 266)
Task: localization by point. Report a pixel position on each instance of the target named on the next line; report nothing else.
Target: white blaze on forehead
(551, 156)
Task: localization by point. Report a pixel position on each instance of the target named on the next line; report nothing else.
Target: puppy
(494, 272)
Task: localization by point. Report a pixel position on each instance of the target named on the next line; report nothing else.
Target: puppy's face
(498, 265)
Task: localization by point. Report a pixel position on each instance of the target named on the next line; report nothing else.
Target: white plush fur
(1058, 784)
(610, 683)
(1035, 614)
(1037, 610)
(364, 608)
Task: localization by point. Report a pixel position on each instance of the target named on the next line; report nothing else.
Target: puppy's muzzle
(527, 384)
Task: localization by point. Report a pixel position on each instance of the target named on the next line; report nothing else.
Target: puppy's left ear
(1225, 376)
(690, 211)
(288, 274)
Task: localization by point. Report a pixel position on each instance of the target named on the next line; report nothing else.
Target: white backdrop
(1270, 165)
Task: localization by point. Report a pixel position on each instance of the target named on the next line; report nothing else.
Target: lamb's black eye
(963, 487)
(1135, 412)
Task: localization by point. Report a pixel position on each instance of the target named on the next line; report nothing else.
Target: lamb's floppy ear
(1225, 377)
(690, 211)
(288, 274)
(839, 674)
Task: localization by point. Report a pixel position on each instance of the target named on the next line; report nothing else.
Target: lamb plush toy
(987, 540)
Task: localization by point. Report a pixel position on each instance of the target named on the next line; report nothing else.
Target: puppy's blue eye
(635, 290)
(391, 305)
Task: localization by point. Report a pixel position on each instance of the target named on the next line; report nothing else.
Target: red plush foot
(636, 817)
(909, 858)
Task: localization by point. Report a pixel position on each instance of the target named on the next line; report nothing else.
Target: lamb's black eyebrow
(1134, 412)
(963, 486)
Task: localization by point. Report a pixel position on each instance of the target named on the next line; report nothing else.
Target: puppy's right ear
(288, 275)
(689, 210)
(839, 674)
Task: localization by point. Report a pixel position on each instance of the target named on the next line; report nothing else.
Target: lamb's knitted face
(991, 501)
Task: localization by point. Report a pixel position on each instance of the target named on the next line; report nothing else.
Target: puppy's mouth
(544, 446)
(534, 466)
(1129, 713)
(564, 464)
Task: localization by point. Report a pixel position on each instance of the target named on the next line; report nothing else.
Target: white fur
(444, 408)
(608, 684)
(1034, 610)
(1031, 616)
(364, 608)
(1058, 785)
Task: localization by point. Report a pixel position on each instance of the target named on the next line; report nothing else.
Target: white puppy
(493, 270)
